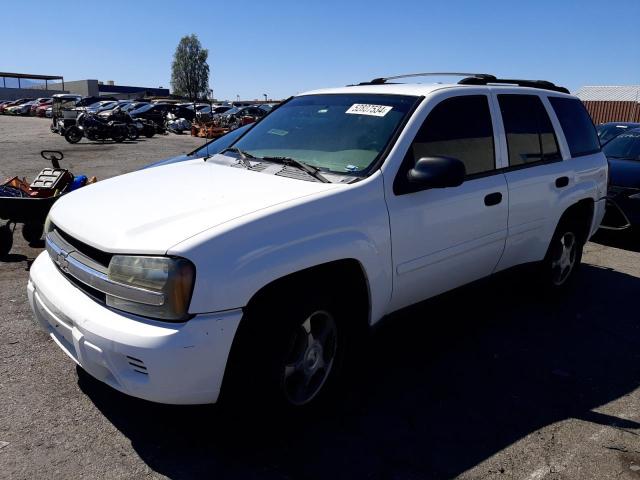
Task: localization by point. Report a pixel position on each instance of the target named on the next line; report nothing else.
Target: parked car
(256, 271)
(38, 103)
(22, 109)
(42, 108)
(237, 117)
(154, 112)
(210, 148)
(607, 131)
(207, 113)
(48, 113)
(14, 103)
(623, 153)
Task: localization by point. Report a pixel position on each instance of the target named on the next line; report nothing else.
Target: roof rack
(492, 80)
(474, 79)
(382, 80)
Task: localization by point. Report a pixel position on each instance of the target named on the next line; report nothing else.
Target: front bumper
(625, 202)
(181, 363)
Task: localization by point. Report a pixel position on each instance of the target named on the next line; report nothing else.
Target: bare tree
(190, 70)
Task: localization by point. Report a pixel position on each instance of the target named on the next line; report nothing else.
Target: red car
(40, 102)
(41, 106)
(15, 102)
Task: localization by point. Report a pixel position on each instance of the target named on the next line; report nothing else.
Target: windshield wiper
(292, 162)
(244, 156)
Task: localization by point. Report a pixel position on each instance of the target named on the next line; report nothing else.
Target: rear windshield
(343, 133)
(625, 146)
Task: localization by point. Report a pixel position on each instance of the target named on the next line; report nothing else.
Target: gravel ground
(490, 381)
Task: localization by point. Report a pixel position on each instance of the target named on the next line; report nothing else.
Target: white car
(255, 270)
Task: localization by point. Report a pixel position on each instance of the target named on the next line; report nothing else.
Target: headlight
(635, 196)
(48, 226)
(171, 277)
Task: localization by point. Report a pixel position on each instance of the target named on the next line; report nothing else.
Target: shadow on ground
(447, 385)
(624, 239)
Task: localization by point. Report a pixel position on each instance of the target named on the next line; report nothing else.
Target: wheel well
(346, 277)
(581, 214)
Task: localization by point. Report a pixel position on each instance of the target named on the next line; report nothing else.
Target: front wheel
(288, 356)
(132, 132)
(73, 134)
(563, 258)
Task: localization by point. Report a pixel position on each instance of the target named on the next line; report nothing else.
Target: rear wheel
(563, 257)
(73, 134)
(32, 232)
(6, 239)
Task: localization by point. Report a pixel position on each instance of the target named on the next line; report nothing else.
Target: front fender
(234, 261)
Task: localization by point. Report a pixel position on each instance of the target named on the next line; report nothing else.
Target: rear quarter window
(577, 126)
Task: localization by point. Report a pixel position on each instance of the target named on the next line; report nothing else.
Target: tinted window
(530, 135)
(458, 127)
(625, 146)
(577, 125)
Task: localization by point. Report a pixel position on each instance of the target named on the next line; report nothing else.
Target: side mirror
(437, 172)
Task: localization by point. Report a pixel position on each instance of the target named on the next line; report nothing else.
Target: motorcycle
(94, 128)
(135, 126)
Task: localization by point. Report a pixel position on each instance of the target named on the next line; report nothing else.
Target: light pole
(265, 96)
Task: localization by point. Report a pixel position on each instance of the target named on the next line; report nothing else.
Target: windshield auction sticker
(368, 109)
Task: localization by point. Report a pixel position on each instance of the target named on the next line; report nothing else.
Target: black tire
(149, 131)
(73, 134)
(272, 339)
(6, 240)
(132, 132)
(119, 136)
(562, 261)
(32, 232)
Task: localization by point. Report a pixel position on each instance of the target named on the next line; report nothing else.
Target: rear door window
(529, 131)
(458, 127)
(577, 126)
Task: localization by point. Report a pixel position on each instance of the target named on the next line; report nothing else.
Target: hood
(624, 173)
(149, 211)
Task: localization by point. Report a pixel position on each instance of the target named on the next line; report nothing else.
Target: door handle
(493, 199)
(562, 182)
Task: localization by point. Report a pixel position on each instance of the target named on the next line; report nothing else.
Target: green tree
(190, 70)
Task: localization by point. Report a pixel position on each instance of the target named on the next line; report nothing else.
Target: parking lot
(490, 381)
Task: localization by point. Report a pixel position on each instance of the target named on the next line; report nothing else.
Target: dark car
(210, 148)
(207, 113)
(607, 131)
(237, 117)
(623, 153)
(156, 112)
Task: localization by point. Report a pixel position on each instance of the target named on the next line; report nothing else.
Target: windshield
(144, 108)
(343, 133)
(607, 132)
(626, 145)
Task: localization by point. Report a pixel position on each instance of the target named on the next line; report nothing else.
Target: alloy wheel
(564, 258)
(311, 358)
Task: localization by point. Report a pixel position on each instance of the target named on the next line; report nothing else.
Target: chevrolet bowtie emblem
(62, 261)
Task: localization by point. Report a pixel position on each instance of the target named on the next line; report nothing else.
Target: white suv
(255, 269)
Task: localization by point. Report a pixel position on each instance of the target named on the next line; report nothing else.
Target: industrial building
(23, 85)
(614, 103)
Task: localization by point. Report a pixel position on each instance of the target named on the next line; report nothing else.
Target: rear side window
(577, 126)
(530, 134)
(458, 127)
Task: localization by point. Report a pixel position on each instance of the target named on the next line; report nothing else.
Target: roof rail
(382, 80)
(490, 79)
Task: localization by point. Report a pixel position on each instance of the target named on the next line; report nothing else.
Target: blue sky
(285, 47)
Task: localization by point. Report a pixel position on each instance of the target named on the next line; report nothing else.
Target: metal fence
(610, 111)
